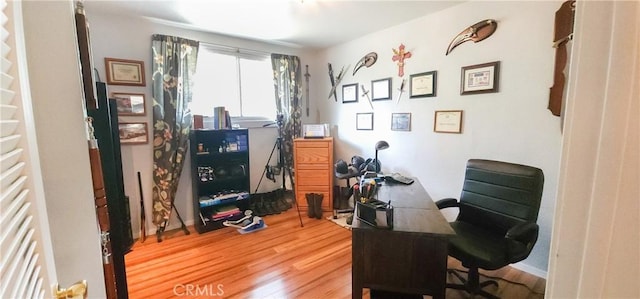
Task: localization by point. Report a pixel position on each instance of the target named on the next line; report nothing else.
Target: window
(238, 79)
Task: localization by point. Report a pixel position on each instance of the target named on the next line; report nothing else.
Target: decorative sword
(337, 80)
(401, 89)
(306, 77)
(366, 94)
(333, 84)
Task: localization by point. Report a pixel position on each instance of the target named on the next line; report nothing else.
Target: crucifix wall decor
(400, 55)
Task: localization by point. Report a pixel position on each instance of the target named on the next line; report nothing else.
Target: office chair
(496, 224)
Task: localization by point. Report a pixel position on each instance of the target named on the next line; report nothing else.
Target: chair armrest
(523, 232)
(447, 203)
(522, 235)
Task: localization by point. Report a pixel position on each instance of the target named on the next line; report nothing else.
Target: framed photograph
(381, 89)
(400, 121)
(124, 72)
(350, 93)
(133, 133)
(129, 103)
(423, 84)
(480, 78)
(448, 121)
(364, 121)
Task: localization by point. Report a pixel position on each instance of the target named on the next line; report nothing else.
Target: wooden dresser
(313, 163)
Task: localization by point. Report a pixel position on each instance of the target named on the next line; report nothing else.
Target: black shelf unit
(220, 174)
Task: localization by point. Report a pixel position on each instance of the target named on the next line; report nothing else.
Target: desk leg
(357, 265)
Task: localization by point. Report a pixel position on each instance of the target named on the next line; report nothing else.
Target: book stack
(198, 122)
(221, 118)
(224, 212)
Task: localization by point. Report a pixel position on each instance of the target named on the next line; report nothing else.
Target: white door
(31, 263)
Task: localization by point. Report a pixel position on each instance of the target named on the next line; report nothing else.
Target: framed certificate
(381, 89)
(350, 93)
(480, 78)
(400, 121)
(124, 72)
(448, 121)
(364, 121)
(423, 85)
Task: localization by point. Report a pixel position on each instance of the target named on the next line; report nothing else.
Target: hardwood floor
(282, 261)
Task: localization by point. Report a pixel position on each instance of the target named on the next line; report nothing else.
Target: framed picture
(129, 103)
(124, 72)
(381, 89)
(480, 78)
(400, 121)
(133, 133)
(364, 121)
(448, 121)
(423, 85)
(350, 93)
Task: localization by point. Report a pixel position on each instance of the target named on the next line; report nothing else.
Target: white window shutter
(26, 263)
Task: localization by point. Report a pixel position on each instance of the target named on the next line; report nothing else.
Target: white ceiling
(296, 23)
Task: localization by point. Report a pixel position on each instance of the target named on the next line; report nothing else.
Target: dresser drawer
(312, 155)
(305, 177)
(311, 143)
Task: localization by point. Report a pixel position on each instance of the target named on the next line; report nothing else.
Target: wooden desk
(411, 257)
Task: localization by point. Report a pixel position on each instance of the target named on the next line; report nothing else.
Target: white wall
(130, 38)
(59, 118)
(512, 125)
(596, 239)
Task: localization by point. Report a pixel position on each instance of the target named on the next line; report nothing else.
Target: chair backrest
(498, 195)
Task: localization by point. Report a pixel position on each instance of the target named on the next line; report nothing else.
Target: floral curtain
(174, 64)
(287, 80)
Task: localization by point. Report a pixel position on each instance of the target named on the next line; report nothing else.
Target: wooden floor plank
(282, 261)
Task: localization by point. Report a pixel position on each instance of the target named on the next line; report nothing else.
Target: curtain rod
(235, 49)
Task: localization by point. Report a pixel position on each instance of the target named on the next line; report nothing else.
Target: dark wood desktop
(410, 258)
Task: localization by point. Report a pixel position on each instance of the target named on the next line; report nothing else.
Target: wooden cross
(400, 55)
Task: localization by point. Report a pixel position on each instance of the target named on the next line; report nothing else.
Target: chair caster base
(472, 286)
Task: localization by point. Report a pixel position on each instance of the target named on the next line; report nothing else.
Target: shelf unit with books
(220, 176)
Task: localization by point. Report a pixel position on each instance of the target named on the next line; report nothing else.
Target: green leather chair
(496, 223)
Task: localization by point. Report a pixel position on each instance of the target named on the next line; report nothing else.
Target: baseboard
(530, 269)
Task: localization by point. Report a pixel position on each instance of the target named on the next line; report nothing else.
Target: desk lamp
(380, 145)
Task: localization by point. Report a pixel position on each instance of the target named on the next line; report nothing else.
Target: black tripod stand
(282, 167)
